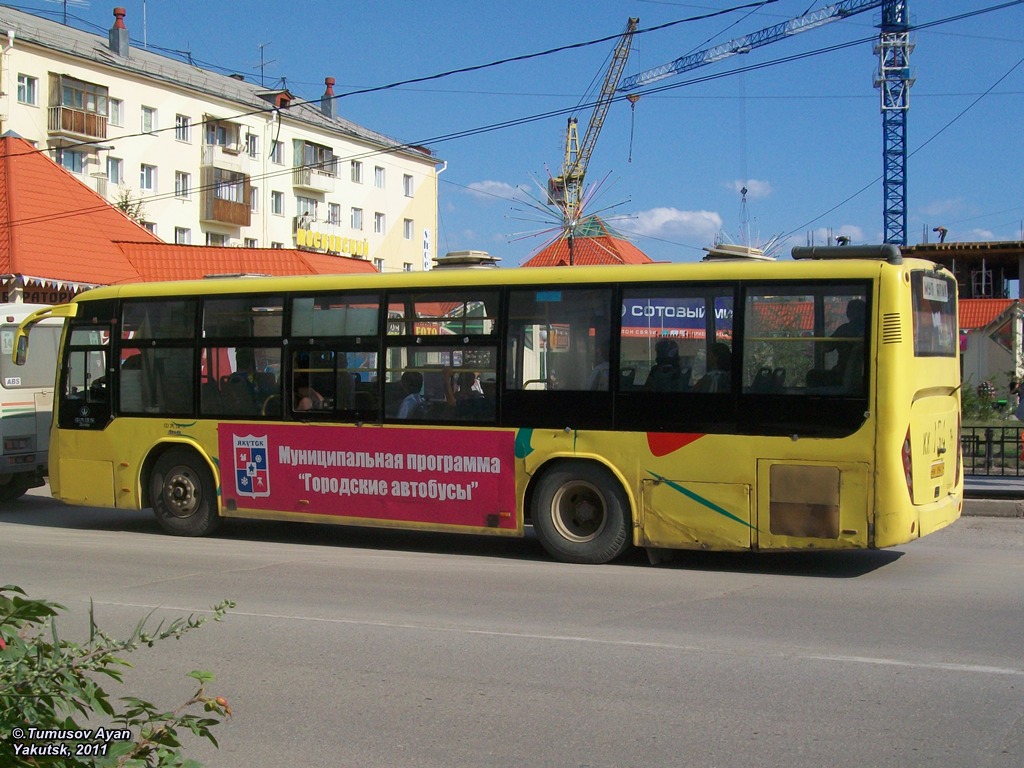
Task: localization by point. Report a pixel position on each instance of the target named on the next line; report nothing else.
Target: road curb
(994, 507)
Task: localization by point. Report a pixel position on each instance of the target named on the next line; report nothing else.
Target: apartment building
(211, 159)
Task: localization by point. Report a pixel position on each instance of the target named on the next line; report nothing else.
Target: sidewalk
(993, 496)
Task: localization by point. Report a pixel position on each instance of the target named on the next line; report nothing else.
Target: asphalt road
(376, 648)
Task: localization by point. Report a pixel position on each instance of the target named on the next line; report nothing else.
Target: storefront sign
(322, 241)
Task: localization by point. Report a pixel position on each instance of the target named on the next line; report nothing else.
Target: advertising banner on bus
(438, 477)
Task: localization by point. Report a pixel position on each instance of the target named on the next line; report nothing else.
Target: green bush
(50, 694)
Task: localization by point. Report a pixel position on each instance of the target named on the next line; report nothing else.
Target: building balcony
(76, 123)
(215, 210)
(225, 157)
(224, 197)
(316, 179)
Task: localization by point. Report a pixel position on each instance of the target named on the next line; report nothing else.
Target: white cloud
(978, 234)
(952, 206)
(673, 223)
(493, 190)
(756, 190)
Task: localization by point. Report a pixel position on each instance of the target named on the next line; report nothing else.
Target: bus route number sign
(934, 289)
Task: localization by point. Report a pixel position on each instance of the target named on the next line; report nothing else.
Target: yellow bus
(810, 403)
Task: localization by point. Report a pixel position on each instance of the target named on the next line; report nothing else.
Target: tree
(129, 205)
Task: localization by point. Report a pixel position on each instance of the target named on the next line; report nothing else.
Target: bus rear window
(935, 331)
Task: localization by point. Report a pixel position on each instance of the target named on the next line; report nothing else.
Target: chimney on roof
(327, 100)
(119, 34)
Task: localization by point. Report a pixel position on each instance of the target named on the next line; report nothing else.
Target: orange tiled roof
(977, 313)
(52, 226)
(595, 243)
(188, 262)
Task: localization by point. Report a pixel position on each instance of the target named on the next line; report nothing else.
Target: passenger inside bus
(247, 390)
(598, 378)
(848, 336)
(464, 394)
(307, 398)
(667, 375)
(717, 379)
(414, 405)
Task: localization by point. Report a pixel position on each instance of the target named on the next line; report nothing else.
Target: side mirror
(21, 350)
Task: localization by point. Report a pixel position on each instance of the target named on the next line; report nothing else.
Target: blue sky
(804, 137)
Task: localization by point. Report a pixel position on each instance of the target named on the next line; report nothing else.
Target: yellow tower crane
(566, 190)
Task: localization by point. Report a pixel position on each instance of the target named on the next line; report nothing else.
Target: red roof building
(58, 237)
(977, 313)
(593, 242)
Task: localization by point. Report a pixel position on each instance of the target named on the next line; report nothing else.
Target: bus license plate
(938, 469)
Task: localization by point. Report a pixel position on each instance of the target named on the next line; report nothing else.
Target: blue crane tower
(893, 79)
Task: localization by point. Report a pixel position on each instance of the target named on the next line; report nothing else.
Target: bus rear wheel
(183, 494)
(581, 514)
(12, 490)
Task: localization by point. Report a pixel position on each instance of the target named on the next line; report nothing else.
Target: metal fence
(993, 450)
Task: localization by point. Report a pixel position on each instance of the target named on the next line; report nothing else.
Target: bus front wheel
(581, 514)
(183, 495)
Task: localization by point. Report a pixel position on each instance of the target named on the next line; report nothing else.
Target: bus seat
(626, 378)
(209, 397)
(762, 380)
(853, 376)
(394, 394)
(131, 390)
(237, 397)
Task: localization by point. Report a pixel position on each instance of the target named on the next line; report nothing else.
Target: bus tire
(12, 490)
(581, 514)
(183, 493)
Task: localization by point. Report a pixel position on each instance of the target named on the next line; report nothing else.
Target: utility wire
(417, 145)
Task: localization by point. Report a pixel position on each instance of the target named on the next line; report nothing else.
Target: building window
(357, 218)
(115, 170)
(408, 229)
(254, 199)
(223, 134)
(379, 223)
(334, 213)
(229, 185)
(378, 177)
(305, 208)
(182, 184)
(216, 238)
(318, 156)
(407, 184)
(378, 264)
(71, 159)
(276, 245)
(183, 128)
(182, 236)
(115, 112)
(252, 242)
(277, 203)
(147, 178)
(28, 90)
(357, 171)
(149, 124)
(252, 145)
(277, 153)
(79, 95)
(150, 226)
(407, 266)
